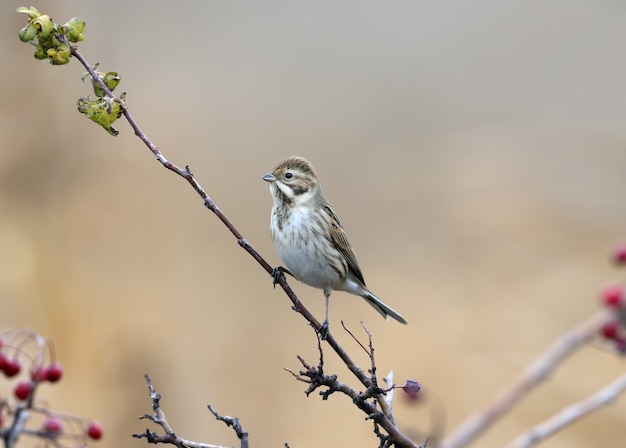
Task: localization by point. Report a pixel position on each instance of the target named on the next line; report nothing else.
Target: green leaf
(73, 29)
(103, 111)
(110, 79)
(32, 12)
(45, 26)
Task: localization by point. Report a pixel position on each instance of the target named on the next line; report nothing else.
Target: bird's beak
(269, 177)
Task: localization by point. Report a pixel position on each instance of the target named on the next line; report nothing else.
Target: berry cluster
(613, 296)
(25, 347)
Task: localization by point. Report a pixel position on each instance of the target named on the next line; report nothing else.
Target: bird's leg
(277, 272)
(323, 331)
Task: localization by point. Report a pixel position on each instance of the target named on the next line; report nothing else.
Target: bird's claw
(277, 272)
(323, 330)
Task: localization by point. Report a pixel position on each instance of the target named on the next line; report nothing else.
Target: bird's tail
(383, 308)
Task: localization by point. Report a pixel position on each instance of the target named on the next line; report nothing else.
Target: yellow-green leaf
(73, 29)
(32, 12)
(104, 111)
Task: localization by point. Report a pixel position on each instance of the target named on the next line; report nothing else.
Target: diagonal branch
(534, 374)
(570, 414)
(187, 174)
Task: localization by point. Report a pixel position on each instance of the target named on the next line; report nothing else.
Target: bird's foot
(323, 331)
(277, 272)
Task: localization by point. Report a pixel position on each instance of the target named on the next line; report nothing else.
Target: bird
(310, 239)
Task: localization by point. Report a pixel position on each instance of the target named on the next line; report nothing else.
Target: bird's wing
(341, 242)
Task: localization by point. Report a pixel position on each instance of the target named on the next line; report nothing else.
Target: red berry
(54, 372)
(94, 430)
(4, 361)
(23, 389)
(12, 368)
(619, 254)
(613, 295)
(53, 426)
(610, 330)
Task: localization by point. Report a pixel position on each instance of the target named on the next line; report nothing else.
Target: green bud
(73, 29)
(59, 55)
(28, 33)
(110, 79)
(40, 52)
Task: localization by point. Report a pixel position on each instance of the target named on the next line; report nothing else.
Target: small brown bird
(309, 238)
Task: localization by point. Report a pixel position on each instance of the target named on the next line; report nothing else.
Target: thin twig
(234, 423)
(355, 338)
(170, 436)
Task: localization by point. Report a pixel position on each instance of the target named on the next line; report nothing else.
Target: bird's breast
(302, 240)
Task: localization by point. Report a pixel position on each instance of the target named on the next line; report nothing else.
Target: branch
(187, 174)
(571, 414)
(534, 374)
(170, 436)
(365, 401)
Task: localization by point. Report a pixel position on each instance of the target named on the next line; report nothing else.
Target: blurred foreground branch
(538, 371)
(571, 414)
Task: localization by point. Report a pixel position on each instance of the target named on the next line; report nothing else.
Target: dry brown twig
(372, 401)
(170, 436)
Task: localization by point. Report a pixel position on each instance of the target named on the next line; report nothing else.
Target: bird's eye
(288, 175)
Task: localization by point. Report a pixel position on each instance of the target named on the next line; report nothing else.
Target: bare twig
(234, 423)
(534, 374)
(366, 401)
(170, 436)
(571, 414)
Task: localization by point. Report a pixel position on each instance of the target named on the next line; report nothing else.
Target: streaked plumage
(310, 239)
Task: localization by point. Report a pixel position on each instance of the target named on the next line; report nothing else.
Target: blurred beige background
(475, 152)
